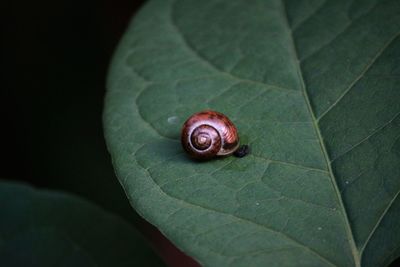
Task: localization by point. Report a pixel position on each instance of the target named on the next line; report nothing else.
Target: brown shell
(208, 134)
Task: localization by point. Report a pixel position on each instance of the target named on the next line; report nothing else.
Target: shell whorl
(208, 134)
(205, 137)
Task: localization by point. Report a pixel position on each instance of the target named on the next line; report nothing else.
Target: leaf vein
(356, 256)
(238, 218)
(207, 62)
(379, 221)
(359, 77)
(337, 35)
(295, 27)
(292, 164)
(367, 137)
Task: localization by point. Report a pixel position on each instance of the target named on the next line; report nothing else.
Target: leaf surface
(311, 86)
(46, 228)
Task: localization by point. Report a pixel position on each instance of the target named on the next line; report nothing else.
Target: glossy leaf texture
(313, 89)
(46, 228)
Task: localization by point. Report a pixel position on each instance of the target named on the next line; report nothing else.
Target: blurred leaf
(46, 228)
(313, 88)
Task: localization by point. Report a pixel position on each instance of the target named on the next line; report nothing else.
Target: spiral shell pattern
(208, 134)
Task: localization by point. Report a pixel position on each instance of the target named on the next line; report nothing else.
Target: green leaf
(313, 88)
(46, 228)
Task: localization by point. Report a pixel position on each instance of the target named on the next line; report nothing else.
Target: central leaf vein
(354, 250)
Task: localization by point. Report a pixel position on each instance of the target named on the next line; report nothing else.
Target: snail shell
(208, 134)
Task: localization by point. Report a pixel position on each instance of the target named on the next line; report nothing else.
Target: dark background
(54, 61)
(55, 56)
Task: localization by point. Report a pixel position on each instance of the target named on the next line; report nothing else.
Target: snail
(208, 134)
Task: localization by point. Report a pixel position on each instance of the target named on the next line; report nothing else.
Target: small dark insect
(208, 134)
(242, 151)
